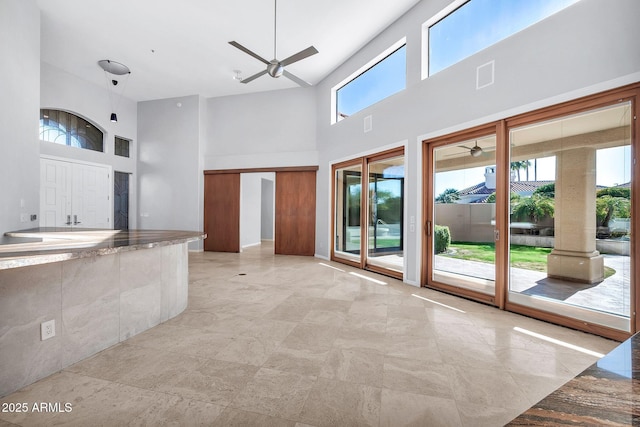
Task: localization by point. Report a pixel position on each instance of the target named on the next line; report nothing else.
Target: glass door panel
(120, 201)
(348, 193)
(464, 212)
(570, 216)
(385, 245)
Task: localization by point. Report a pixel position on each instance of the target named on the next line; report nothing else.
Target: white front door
(55, 193)
(74, 194)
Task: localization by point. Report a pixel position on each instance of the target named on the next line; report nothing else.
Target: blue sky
(480, 23)
(383, 80)
(474, 26)
(471, 28)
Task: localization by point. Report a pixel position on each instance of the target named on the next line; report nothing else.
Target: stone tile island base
(96, 300)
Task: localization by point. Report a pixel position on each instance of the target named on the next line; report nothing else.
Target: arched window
(62, 127)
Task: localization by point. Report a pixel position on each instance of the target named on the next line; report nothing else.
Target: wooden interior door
(295, 222)
(222, 212)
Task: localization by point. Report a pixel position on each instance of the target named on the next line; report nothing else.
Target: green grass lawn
(527, 257)
(385, 242)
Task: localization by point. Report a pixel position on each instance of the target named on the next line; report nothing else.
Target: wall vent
(368, 124)
(485, 75)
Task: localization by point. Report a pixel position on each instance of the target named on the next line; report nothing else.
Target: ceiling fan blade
(296, 79)
(248, 52)
(255, 76)
(300, 55)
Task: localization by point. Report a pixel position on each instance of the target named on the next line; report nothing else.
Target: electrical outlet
(48, 329)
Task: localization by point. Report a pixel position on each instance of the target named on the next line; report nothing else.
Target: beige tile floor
(297, 341)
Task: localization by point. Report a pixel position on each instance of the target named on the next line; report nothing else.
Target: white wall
(251, 207)
(170, 184)
(64, 91)
(582, 50)
(267, 209)
(265, 129)
(19, 113)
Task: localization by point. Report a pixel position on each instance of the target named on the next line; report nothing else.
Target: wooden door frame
(261, 170)
(363, 161)
(426, 266)
(629, 93)
(334, 168)
(626, 93)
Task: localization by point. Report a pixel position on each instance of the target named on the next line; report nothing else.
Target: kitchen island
(605, 394)
(100, 287)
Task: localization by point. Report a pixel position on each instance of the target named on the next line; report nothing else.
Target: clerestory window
(467, 27)
(384, 76)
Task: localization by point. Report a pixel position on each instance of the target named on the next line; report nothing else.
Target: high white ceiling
(179, 48)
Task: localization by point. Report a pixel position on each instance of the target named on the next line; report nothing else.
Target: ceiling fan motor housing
(275, 69)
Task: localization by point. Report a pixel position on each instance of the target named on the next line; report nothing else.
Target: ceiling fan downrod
(276, 68)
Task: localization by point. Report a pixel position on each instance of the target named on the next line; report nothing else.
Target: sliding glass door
(347, 220)
(570, 216)
(537, 213)
(462, 220)
(385, 243)
(369, 225)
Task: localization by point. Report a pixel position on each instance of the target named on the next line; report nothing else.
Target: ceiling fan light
(476, 151)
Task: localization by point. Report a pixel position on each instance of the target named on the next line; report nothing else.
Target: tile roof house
(479, 193)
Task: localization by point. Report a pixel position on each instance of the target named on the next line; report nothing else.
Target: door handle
(68, 220)
(75, 220)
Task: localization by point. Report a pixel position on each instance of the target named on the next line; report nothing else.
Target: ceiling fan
(275, 68)
(475, 151)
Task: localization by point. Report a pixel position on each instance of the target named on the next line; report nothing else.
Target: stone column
(574, 256)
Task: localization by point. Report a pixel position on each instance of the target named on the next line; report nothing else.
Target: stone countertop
(606, 393)
(45, 245)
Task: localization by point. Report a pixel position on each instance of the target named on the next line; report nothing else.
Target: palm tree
(533, 209)
(450, 195)
(522, 164)
(513, 198)
(607, 206)
(547, 190)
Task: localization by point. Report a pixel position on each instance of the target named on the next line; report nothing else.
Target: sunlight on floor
(330, 266)
(379, 282)
(558, 342)
(439, 303)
